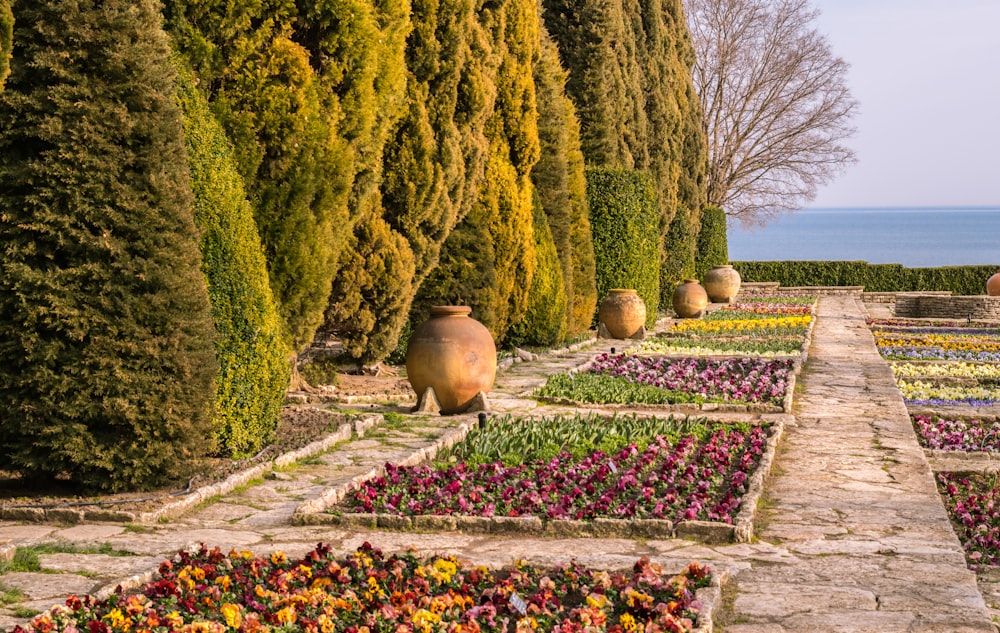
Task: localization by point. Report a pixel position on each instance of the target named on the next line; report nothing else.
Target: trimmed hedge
(960, 280)
(6, 38)
(713, 245)
(625, 222)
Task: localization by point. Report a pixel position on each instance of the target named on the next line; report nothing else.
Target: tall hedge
(713, 247)
(252, 355)
(106, 336)
(960, 280)
(561, 185)
(6, 35)
(544, 321)
(625, 221)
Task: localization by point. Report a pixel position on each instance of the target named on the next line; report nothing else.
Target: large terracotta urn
(455, 355)
(993, 285)
(622, 312)
(722, 283)
(690, 299)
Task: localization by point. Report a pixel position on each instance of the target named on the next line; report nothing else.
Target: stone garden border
(317, 511)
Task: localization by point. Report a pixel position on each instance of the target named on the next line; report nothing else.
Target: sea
(913, 237)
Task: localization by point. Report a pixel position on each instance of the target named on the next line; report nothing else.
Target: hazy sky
(927, 76)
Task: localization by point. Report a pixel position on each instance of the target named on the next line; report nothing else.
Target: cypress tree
(544, 321)
(6, 35)
(713, 248)
(503, 211)
(106, 339)
(252, 356)
(373, 291)
(435, 157)
(562, 189)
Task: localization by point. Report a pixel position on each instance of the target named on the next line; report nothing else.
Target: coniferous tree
(252, 355)
(561, 185)
(498, 291)
(6, 35)
(106, 339)
(544, 321)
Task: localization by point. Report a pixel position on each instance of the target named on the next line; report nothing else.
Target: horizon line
(984, 207)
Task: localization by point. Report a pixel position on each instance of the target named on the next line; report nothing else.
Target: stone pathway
(853, 536)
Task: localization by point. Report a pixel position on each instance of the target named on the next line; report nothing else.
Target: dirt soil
(299, 426)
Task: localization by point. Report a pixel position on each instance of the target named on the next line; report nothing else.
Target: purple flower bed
(683, 479)
(973, 504)
(935, 353)
(956, 435)
(743, 379)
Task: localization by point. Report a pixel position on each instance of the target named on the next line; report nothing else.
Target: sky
(926, 74)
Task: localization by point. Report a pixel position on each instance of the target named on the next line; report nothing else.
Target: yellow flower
(285, 615)
(279, 558)
(628, 622)
(233, 615)
(224, 582)
(597, 602)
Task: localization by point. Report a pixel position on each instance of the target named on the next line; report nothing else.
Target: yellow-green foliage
(713, 248)
(371, 295)
(253, 359)
(106, 335)
(488, 260)
(562, 187)
(544, 323)
(624, 218)
(6, 38)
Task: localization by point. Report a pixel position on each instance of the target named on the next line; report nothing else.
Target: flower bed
(948, 434)
(699, 475)
(973, 503)
(712, 346)
(211, 592)
(956, 369)
(930, 393)
(611, 377)
(773, 326)
(786, 308)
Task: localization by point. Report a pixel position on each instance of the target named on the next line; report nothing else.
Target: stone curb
(744, 520)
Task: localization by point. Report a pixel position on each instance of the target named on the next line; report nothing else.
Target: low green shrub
(960, 280)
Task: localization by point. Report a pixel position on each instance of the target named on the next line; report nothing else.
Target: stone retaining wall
(773, 289)
(933, 306)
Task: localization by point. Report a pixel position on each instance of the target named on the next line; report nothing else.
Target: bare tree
(776, 105)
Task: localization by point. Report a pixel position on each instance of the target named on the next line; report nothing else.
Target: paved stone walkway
(853, 536)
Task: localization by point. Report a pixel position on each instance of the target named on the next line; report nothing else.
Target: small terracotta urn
(453, 354)
(622, 312)
(722, 283)
(993, 285)
(690, 299)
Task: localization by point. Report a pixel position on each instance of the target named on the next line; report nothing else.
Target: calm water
(911, 237)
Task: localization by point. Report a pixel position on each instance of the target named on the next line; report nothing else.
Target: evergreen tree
(106, 339)
(372, 294)
(561, 185)
(252, 356)
(503, 211)
(6, 35)
(544, 321)
(713, 248)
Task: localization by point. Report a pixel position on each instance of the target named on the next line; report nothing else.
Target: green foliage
(677, 263)
(495, 280)
(371, 296)
(713, 247)
(6, 35)
(561, 184)
(960, 280)
(106, 336)
(515, 441)
(253, 358)
(624, 220)
(605, 389)
(544, 323)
